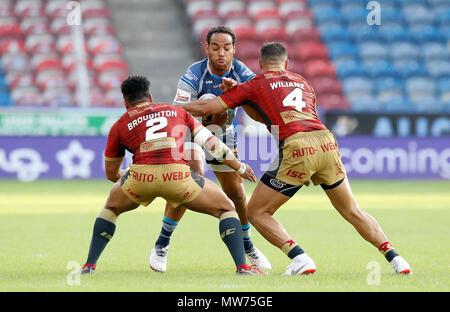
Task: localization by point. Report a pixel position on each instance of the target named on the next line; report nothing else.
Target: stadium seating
(38, 66)
(401, 65)
(287, 21)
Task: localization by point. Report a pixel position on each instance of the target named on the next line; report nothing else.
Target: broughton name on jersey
(137, 121)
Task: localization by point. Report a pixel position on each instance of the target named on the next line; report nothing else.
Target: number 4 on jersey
(295, 99)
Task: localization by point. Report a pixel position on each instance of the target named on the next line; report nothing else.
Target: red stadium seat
(332, 102)
(41, 43)
(253, 64)
(326, 85)
(295, 66)
(95, 12)
(73, 79)
(9, 27)
(27, 96)
(59, 27)
(232, 9)
(319, 68)
(111, 79)
(29, 8)
(35, 26)
(104, 44)
(51, 79)
(114, 63)
(19, 79)
(58, 97)
(69, 63)
(56, 9)
(310, 50)
(266, 14)
(6, 9)
(304, 35)
(12, 46)
(247, 49)
(273, 33)
(113, 98)
(245, 32)
(15, 62)
(46, 61)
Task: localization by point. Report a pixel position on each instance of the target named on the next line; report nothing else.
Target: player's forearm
(204, 107)
(222, 153)
(112, 170)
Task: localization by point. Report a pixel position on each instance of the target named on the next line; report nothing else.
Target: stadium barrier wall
(30, 158)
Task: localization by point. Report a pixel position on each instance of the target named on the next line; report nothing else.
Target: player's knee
(237, 196)
(225, 206)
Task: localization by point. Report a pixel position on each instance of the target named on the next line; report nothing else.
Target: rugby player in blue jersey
(203, 79)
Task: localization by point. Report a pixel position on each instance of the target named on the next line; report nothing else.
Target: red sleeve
(236, 96)
(114, 149)
(192, 123)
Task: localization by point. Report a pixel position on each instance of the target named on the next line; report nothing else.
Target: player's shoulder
(242, 70)
(195, 70)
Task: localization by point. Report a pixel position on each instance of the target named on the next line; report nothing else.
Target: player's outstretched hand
(227, 84)
(248, 174)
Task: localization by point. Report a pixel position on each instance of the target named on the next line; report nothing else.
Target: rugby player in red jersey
(286, 103)
(155, 133)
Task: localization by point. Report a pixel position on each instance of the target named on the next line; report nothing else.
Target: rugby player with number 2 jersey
(155, 133)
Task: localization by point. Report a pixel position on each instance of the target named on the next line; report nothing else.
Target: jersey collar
(215, 76)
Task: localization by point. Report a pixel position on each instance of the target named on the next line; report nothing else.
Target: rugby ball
(216, 119)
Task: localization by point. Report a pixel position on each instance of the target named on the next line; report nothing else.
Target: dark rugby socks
(104, 228)
(168, 226)
(231, 234)
(246, 236)
(291, 249)
(388, 251)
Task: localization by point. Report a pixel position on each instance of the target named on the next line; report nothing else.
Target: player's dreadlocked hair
(135, 88)
(273, 52)
(221, 29)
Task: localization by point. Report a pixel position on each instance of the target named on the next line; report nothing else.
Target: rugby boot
(158, 258)
(258, 259)
(400, 265)
(246, 269)
(301, 264)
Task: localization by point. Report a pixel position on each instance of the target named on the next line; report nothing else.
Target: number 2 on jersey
(295, 99)
(155, 125)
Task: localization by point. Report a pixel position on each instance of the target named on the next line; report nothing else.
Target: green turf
(45, 227)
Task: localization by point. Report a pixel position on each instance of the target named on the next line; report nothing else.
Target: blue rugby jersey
(199, 80)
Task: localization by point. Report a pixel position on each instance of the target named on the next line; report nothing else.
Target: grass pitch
(46, 227)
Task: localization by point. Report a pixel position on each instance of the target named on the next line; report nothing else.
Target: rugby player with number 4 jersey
(286, 103)
(155, 133)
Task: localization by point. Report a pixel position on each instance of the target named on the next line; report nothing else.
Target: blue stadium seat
(315, 2)
(420, 86)
(378, 68)
(348, 68)
(439, 68)
(390, 14)
(393, 32)
(445, 32)
(418, 14)
(422, 33)
(342, 49)
(407, 68)
(427, 104)
(327, 15)
(363, 32)
(407, 2)
(364, 104)
(443, 84)
(434, 51)
(334, 32)
(389, 84)
(443, 17)
(404, 50)
(372, 50)
(397, 104)
(5, 99)
(357, 85)
(354, 14)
